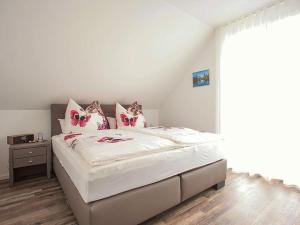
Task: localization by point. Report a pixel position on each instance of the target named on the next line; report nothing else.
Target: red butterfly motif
(72, 135)
(126, 121)
(103, 125)
(77, 119)
(113, 140)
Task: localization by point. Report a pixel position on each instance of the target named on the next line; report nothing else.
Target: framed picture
(201, 78)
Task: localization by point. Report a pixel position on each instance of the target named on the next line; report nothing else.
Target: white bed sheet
(98, 182)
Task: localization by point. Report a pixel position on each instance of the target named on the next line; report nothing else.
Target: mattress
(99, 182)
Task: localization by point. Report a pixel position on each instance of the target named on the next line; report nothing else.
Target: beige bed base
(138, 205)
(134, 206)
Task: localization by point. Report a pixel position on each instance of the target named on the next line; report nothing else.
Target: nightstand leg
(49, 162)
(11, 177)
(11, 170)
(49, 173)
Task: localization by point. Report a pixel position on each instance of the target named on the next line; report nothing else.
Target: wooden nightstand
(29, 158)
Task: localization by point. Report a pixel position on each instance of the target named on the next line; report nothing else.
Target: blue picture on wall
(201, 78)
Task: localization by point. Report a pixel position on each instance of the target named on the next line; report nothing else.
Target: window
(260, 99)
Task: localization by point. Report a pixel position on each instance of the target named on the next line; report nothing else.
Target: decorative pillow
(79, 120)
(62, 123)
(132, 117)
(112, 122)
(135, 109)
(94, 109)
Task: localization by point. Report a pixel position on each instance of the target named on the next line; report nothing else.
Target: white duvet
(109, 146)
(183, 136)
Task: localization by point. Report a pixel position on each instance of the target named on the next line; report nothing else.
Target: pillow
(132, 117)
(62, 123)
(79, 120)
(112, 122)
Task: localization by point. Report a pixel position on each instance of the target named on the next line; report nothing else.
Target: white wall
(152, 116)
(189, 106)
(20, 122)
(35, 121)
(111, 50)
(108, 50)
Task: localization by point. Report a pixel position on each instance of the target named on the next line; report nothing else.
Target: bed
(142, 190)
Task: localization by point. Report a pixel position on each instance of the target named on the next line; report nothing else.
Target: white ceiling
(219, 12)
(109, 50)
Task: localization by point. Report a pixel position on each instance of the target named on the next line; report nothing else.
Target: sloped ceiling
(219, 12)
(110, 50)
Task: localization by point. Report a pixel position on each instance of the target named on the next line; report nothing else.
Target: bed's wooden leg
(219, 185)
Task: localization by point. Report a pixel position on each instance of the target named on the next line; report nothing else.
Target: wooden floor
(244, 200)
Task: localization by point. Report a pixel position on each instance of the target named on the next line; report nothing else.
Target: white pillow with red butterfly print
(79, 120)
(128, 119)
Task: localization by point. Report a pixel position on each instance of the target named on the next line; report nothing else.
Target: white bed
(99, 182)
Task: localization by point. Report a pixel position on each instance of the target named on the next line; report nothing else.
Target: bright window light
(260, 99)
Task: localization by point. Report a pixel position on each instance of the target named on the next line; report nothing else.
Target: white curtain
(259, 95)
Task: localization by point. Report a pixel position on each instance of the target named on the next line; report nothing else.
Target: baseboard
(4, 177)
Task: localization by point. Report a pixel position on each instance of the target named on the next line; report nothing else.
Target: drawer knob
(30, 152)
(30, 161)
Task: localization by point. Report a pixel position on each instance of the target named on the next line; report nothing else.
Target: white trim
(4, 177)
(268, 7)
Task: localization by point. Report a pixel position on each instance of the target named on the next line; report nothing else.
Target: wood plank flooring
(244, 200)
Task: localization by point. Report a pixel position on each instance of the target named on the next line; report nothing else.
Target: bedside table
(29, 157)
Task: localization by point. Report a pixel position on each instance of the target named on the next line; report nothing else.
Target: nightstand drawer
(29, 161)
(29, 152)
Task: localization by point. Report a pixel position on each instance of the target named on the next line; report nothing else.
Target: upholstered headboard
(58, 112)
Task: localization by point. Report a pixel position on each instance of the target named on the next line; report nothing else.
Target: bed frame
(137, 205)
